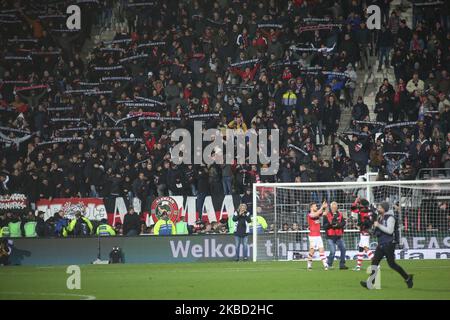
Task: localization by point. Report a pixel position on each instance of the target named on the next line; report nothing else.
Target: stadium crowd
(98, 127)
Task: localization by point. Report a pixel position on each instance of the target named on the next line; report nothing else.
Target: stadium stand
(89, 113)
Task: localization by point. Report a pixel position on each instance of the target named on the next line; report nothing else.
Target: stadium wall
(174, 249)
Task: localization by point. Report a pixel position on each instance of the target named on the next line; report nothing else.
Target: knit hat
(385, 206)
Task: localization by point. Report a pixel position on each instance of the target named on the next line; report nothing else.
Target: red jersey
(314, 225)
(363, 218)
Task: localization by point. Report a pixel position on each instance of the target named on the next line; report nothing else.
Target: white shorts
(364, 241)
(315, 242)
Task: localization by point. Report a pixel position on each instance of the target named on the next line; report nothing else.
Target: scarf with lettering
(151, 101)
(298, 149)
(141, 4)
(328, 26)
(60, 140)
(66, 120)
(203, 115)
(270, 25)
(400, 124)
(116, 78)
(251, 61)
(140, 56)
(118, 67)
(18, 58)
(159, 118)
(56, 109)
(7, 129)
(152, 44)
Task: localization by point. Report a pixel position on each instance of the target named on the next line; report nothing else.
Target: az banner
(177, 207)
(91, 208)
(15, 202)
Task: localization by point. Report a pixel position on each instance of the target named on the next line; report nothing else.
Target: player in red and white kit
(315, 240)
(361, 207)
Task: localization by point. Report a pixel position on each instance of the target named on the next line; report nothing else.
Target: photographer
(131, 224)
(241, 221)
(363, 210)
(5, 251)
(386, 229)
(334, 224)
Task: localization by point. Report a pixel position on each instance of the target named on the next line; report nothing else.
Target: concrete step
(373, 80)
(98, 34)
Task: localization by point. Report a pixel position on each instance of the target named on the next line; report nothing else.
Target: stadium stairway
(101, 33)
(98, 34)
(372, 80)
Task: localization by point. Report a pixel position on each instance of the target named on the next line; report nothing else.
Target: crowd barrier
(189, 248)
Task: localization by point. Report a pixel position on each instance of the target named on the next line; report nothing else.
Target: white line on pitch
(83, 296)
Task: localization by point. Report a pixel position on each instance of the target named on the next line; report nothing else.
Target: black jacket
(241, 226)
(358, 149)
(360, 111)
(131, 222)
(43, 229)
(203, 181)
(385, 39)
(333, 113)
(326, 174)
(382, 110)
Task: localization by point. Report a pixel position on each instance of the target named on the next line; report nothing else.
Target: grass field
(220, 280)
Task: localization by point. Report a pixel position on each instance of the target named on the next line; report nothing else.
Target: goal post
(421, 208)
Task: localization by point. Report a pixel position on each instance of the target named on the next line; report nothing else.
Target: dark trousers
(200, 201)
(132, 233)
(4, 260)
(388, 251)
(383, 56)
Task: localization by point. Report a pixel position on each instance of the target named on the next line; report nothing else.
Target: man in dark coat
(385, 43)
(358, 149)
(360, 110)
(131, 224)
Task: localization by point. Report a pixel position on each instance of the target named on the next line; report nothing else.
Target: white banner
(91, 208)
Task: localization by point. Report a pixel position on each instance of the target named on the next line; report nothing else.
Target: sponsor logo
(164, 205)
(215, 248)
(209, 249)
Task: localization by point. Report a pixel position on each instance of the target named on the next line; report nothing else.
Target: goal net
(281, 229)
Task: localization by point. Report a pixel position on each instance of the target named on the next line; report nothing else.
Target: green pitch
(224, 280)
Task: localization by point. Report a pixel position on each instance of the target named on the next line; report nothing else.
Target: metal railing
(433, 173)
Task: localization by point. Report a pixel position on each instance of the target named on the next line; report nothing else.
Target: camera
(374, 213)
(116, 255)
(334, 222)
